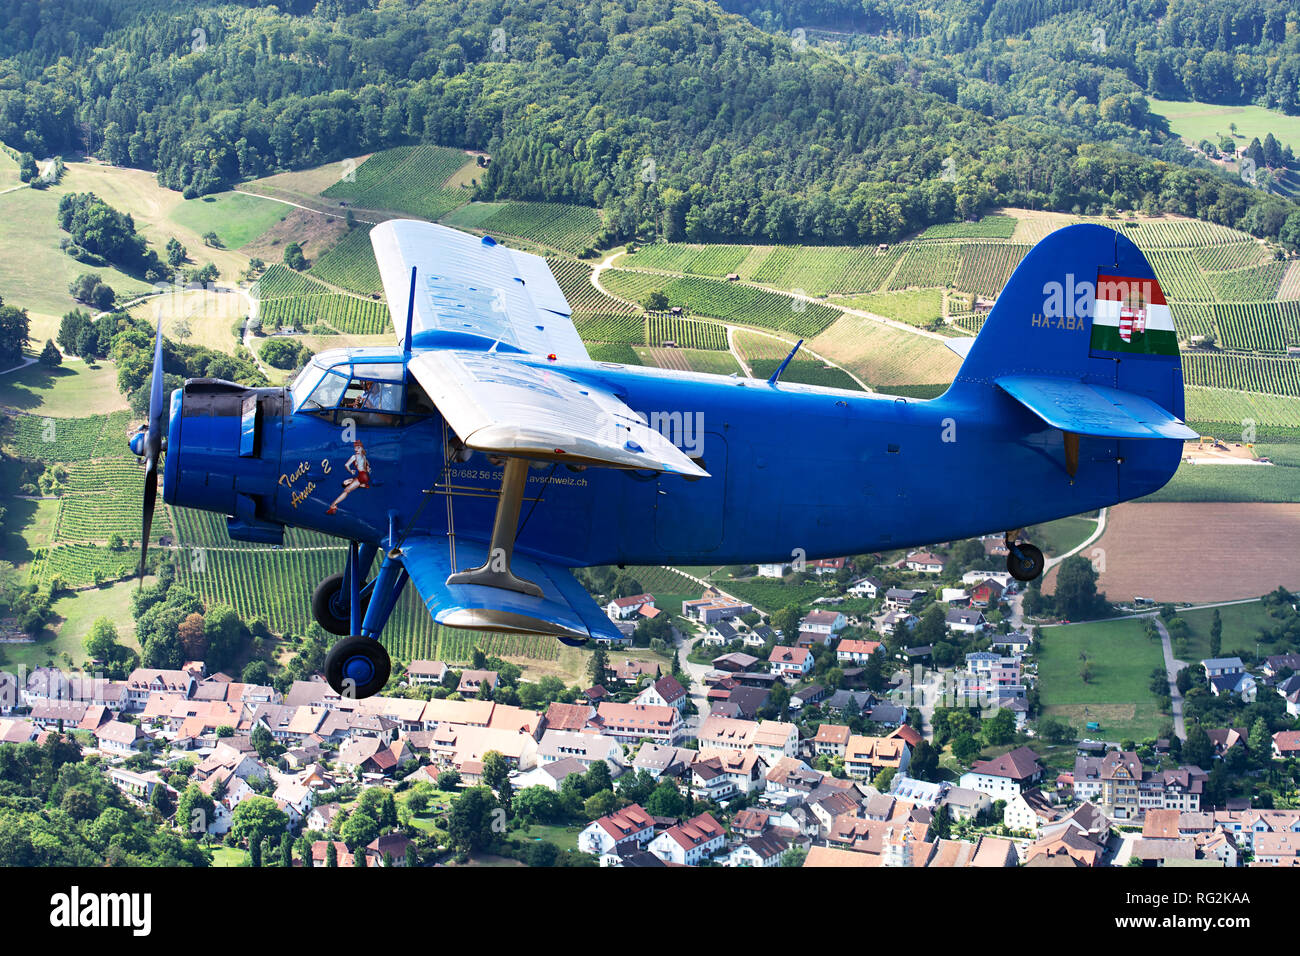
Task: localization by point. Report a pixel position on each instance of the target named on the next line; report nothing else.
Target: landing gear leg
(331, 601)
(358, 666)
(1024, 561)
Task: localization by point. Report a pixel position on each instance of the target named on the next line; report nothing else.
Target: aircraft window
(417, 402)
(387, 372)
(327, 393)
(305, 382)
(369, 395)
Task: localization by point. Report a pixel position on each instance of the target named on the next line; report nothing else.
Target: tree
(50, 355)
(1000, 728)
(14, 328)
(1055, 731)
(786, 621)
(161, 799)
(1216, 634)
(359, 829)
(536, 804)
(599, 804)
(331, 854)
(379, 803)
(448, 780)
(1198, 750)
(965, 748)
(176, 253)
(27, 169)
(665, 800)
(263, 742)
(925, 761)
(293, 257)
(195, 810)
(469, 825)
(656, 301)
(1076, 588)
(257, 818)
(598, 666)
(190, 633)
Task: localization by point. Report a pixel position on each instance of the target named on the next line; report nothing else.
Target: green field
(73, 616)
(558, 225)
(350, 263)
(408, 179)
(1231, 483)
(1241, 624)
(236, 218)
(914, 306)
(34, 270)
(725, 300)
(996, 226)
(1121, 658)
(1065, 534)
(1195, 121)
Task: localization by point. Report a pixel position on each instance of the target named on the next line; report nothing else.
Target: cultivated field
(1199, 551)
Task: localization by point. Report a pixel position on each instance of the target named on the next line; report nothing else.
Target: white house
(823, 622)
(620, 609)
(865, 587)
(791, 661)
(856, 652)
(965, 620)
(631, 824)
(925, 562)
(1220, 666)
(690, 842)
(764, 850)
(425, 672)
(667, 691)
(772, 570)
(557, 745)
(1004, 776)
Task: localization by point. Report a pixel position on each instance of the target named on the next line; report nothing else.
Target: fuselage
(794, 471)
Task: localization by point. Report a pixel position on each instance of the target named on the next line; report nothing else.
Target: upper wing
(503, 406)
(472, 292)
(1074, 406)
(565, 610)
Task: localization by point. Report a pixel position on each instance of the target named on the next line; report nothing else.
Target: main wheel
(357, 667)
(329, 605)
(1028, 566)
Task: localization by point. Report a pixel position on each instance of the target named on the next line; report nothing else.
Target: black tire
(329, 606)
(357, 667)
(1028, 566)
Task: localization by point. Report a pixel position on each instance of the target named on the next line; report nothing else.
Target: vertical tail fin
(1082, 336)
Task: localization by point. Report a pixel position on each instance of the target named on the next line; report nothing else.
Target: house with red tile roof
(631, 824)
(790, 661)
(687, 844)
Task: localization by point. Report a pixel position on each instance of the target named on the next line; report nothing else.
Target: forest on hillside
(679, 119)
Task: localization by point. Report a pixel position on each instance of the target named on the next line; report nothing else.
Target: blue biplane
(486, 455)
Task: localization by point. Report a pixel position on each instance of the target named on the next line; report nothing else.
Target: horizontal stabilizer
(1074, 406)
(960, 346)
(564, 611)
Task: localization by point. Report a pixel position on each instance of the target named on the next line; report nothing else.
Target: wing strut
(495, 571)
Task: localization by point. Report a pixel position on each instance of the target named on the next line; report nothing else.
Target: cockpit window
(341, 383)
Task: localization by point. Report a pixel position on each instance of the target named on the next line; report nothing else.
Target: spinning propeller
(148, 443)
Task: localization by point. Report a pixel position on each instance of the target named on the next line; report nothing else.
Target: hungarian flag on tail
(1130, 317)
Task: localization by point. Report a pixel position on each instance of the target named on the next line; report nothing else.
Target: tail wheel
(1027, 565)
(357, 667)
(329, 606)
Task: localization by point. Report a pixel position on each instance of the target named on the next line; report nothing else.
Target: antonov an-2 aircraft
(486, 455)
